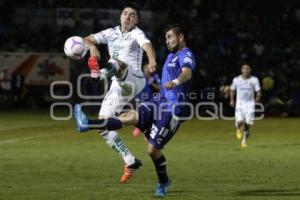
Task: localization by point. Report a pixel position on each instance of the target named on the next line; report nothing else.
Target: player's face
(128, 18)
(172, 41)
(246, 70)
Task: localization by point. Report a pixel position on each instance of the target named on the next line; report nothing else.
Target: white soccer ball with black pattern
(75, 47)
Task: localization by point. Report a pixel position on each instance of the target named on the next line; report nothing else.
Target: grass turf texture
(45, 159)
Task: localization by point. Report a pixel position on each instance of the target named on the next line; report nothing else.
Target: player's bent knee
(154, 152)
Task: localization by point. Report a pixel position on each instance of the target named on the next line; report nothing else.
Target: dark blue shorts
(159, 127)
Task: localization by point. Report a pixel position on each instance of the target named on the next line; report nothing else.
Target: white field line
(28, 138)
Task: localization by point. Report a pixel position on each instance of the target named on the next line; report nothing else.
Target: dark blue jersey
(172, 69)
(156, 116)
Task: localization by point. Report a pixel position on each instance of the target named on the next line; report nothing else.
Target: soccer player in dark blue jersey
(159, 118)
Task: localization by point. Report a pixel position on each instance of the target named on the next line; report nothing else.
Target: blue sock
(106, 124)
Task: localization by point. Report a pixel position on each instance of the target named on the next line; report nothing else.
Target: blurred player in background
(5, 86)
(151, 89)
(125, 44)
(244, 86)
(159, 118)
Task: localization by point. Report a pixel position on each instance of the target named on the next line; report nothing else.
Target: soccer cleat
(246, 135)
(136, 132)
(161, 189)
(244, 143)
(129, 170)
(81, 119)
(239, 134)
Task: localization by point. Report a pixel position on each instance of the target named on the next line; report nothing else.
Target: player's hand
(170, 85)
(257, 100)
(94, 52)
(152, 66)
(232, 103)
(94, 66)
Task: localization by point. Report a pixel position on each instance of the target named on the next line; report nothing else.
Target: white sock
(113, 140)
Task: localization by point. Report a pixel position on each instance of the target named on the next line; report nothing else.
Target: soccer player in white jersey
(244, 86)
(125, 44)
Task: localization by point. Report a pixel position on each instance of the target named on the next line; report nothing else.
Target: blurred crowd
(222, 34)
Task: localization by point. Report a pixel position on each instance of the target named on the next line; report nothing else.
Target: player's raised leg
(122, 90)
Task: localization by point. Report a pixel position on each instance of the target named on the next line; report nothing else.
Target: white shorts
(245, 113)
(121, 92)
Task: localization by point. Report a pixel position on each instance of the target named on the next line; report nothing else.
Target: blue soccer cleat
(161, 189)
(81, 119)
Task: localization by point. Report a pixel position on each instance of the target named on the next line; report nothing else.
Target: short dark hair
(177, 28)
(246, 63)
(134, 6)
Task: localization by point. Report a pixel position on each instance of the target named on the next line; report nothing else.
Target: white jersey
(124, 46)
(245, 89)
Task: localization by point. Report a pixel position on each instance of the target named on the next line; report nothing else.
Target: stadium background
(222, 34)
(41, 158)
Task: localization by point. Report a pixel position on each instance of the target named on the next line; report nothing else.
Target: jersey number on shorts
(153, 131)
(163, 132)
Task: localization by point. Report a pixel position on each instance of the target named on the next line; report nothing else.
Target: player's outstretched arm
(148, 48)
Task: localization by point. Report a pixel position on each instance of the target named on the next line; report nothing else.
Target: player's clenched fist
(170, 85)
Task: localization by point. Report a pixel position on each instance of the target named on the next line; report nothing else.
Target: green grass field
(45, 159)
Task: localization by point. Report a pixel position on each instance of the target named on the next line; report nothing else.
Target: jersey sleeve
(233, 84)
(102, 36)
(257, 85)
(187, 60)
(140, 37)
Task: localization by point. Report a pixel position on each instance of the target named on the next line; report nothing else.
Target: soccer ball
(75, 47)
